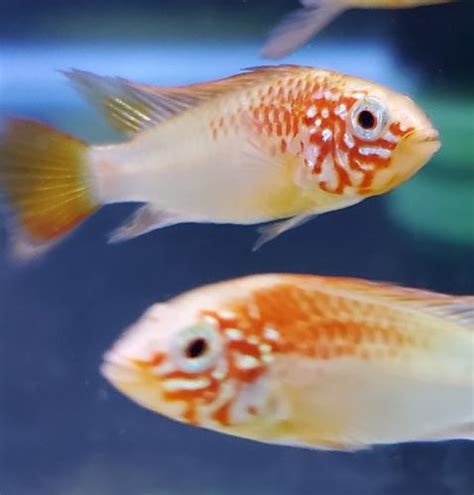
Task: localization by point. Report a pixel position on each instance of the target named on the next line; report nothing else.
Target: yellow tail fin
(44, 178)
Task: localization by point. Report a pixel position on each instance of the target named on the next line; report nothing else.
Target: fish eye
(197, 348)
(368, 119)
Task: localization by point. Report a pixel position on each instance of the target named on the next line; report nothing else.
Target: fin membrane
(144, 220)
(44, 181)
(132, 107)
(459, 309)
(269, 232)
(299, 27)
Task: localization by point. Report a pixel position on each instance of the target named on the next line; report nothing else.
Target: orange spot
(222, 414)
(157, 359)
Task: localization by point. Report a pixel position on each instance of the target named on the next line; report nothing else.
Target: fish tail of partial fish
(46, 184)
(301, 25)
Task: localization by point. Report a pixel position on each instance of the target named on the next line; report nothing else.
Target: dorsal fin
(132, 107)
(459, 309)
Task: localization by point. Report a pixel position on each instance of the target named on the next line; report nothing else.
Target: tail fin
(44, 179)
(300, 26)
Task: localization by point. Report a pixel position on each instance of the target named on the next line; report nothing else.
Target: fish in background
(300, 26)
(305, 361)
(285, 142)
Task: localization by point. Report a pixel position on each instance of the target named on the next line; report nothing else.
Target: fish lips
(412, 153)
(139, 384)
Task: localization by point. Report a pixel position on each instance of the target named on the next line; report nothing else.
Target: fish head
(368, 138)
(393, 137)
(188, 360)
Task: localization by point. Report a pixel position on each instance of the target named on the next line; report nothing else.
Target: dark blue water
(64, 430)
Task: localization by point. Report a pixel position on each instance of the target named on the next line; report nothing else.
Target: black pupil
(196, 348)
(366, 119)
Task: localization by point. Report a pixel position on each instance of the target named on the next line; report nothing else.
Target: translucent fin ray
(45, 202)
(145, 219)
(132, 107)
(459, 309)
(299, 27)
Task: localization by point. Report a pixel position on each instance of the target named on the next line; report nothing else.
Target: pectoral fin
(269, 232)
(145, 219)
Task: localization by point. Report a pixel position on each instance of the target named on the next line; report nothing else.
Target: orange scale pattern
(322, 326)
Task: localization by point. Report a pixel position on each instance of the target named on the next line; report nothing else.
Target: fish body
(300, 26)
(307, 361)
(272, 143)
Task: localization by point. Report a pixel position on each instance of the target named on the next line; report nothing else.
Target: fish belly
(352, 404)
(198, 178)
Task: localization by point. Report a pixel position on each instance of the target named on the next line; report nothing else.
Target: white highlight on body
(327, 173)
(253, 339)
(368, 150)
(254, 311)
(311, 112)
(348, 140)
(210, 320)
(329, 96)
(341, 111)
(177, 384)
(327, 135)
(253, 395)
(318, 95)
(312, 154)
(388, 136)
(343, 160)
(403, 127)
(227, 391)
(246, 362)
(233, 333)
(218, 375)
(325, 113)
(318, 122)
(225, 314)
(220, 372)
(265, 348)
(268, 358)
(271, 334)
(366, 166)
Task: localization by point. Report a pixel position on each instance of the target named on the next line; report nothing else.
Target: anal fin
(269, 232)
(145, 219)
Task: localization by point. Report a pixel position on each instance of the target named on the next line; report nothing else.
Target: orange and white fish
(300, 26)
(331, 363)
(271, 143)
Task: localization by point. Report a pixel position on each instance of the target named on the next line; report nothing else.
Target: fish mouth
(412, 153)
(118, 369)
(138, 384)
(428, 136)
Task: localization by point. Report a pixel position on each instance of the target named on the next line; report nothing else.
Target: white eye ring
(197, 348)
(368, 119)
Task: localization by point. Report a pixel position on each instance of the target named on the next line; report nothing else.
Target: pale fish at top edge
(301, 25)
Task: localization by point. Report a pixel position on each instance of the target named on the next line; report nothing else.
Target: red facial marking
(303, 105)
(235, 347)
